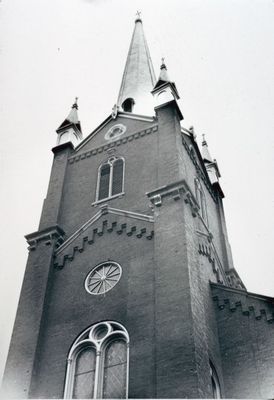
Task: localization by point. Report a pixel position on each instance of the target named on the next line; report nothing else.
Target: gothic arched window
(200, 197)
(97, 365)
(215, 384)
(110, 178)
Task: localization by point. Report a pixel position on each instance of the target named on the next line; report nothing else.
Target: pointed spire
(72, 118)
(205, 151)
(70, 129)
(138, 77)
(164, 79)
(211, 165)
(163, 72)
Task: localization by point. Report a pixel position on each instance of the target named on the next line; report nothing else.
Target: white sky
(220, 53)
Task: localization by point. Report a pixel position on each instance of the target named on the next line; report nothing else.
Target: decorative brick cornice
(208, 250)
(51, 235)
(106, 227)
(104, 209)
(92, 152)
(249, 304)
(176, 191)
(199, 171)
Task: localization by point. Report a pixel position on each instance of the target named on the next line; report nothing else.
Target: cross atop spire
(138, 18)
(75, 105)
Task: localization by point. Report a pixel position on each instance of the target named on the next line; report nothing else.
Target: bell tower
(130, 289)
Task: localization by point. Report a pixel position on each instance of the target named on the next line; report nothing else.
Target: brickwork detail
(209, 252)
(199, 171)
(176, 191)
(110, 145)
(52, 235)
(106, 227)
(228, 300)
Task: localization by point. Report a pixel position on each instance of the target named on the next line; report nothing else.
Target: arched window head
(128, 105)
(215, 384)
(110, 179)
(200, 197)
(97, 365)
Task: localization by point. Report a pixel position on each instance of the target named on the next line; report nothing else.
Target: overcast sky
(220, 53)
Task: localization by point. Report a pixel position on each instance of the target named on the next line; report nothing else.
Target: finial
(163, 65)
(192, 132)
(75, 105)
(204, 143)
(138, 18)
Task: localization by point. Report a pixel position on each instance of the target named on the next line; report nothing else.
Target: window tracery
(97, 365)
(110, 178)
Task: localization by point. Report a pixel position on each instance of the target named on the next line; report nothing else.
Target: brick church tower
(130, 289)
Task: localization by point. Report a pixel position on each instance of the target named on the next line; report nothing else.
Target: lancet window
(110, 178)
(97, 365)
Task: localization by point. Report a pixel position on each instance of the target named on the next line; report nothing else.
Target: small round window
(115, 131)
(103, 277)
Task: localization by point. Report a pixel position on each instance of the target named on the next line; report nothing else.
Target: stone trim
(106, 227)
(115, 143)
(176, 190)
(52, 235)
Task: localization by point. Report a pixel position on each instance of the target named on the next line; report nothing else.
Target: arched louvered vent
(104, 177)
(117, 176)
(110, 179)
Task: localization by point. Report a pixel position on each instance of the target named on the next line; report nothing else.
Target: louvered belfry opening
(111, 177)
(104, 182)
(117, 176)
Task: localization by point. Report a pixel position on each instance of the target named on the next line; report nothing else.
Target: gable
(106, 220)
(112, 129)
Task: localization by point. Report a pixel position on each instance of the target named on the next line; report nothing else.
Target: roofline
(242, 292)
(109, 118)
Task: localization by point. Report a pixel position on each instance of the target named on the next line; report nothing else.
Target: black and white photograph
(137, 198)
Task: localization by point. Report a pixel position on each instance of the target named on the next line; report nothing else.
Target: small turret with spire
(210, 164)
(70, 129)
(165, 90)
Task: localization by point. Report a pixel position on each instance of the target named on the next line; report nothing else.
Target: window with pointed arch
(110, 179)
(200, 197)
(215, 384)
(97, 365)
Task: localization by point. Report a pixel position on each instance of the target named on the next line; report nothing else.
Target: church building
(130, 289)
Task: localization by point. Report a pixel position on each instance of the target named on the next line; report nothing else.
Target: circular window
(100, 331)
(103, 277)
(115, 131)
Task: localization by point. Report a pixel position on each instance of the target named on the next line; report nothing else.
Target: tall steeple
(138, 78)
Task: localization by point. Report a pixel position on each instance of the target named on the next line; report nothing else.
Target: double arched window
(110, 178)
(200, 197)
(97, 366)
